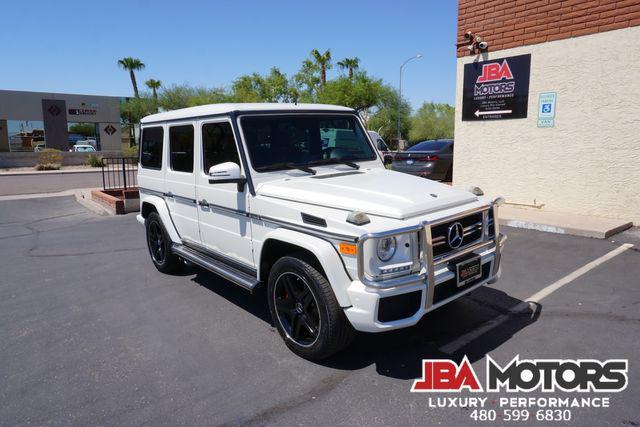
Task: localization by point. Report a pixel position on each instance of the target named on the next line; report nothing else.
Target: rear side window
(218, 145)
(151, 147)
(181, 148)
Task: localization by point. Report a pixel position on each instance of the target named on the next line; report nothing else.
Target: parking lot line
(470, 336)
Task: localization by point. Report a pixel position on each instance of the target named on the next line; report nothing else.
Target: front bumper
(364, 314)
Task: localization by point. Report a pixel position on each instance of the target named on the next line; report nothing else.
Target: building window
(26, 135)
(151, 147)
(218, 145)
(181, 145)
(84, 134)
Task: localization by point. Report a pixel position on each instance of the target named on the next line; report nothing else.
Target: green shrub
(49, 159)
(94, 161)
(131, 151)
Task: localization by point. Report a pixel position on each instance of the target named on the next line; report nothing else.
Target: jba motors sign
(496, 89)
(524, 375)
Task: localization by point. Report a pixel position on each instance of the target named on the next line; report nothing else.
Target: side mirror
(226, 173)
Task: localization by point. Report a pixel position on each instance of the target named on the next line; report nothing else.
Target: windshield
(277, 142)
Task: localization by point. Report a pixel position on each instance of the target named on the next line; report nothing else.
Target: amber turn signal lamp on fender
(348, 249)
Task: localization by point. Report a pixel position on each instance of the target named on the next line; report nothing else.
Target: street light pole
(418, 56)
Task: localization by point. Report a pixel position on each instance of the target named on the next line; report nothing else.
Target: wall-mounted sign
(496, 89)
(546, 110)
(82, 111)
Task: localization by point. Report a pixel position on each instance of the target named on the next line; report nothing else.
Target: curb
(58, 172)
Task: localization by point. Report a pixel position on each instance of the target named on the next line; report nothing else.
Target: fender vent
(313, 220)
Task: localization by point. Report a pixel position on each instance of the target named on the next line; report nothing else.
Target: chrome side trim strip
(284, 224)
(151, 192)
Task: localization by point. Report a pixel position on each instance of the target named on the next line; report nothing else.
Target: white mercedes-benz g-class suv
(297, 197)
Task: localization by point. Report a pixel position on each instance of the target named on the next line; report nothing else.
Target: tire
(302, 302)
(159, 244)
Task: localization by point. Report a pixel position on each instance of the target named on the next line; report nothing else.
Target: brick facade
(510, 23)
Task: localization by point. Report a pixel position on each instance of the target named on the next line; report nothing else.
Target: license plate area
(468, 270)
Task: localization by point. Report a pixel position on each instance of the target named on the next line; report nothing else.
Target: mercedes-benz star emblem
(455, 235)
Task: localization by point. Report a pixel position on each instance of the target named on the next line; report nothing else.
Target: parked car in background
(430, 159)
(383, 148)
(83, 148)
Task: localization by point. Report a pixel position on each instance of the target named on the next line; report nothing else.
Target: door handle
(169, 194)
(203, 202)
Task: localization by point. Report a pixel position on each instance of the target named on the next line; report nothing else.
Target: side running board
(220, 268)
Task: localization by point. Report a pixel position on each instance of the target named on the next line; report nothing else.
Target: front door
(225, 228)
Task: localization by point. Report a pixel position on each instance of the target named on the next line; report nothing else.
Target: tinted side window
(218, 145)
(181, 146)
(151, 147)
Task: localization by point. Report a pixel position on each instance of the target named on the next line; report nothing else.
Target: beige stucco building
(588, 163)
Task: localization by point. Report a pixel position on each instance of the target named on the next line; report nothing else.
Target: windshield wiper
(336, 161)
(285, 165)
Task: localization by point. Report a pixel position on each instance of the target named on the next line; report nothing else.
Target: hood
(376, 192)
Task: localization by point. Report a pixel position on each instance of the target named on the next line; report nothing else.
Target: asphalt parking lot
(92, 334)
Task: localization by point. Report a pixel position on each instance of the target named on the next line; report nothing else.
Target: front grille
(472, 226)
(450, 288)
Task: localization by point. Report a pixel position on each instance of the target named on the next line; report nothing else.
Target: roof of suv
(215, 109)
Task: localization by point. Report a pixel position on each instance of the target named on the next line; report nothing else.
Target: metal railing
(119, 173)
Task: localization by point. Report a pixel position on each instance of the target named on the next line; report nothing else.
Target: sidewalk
(562, 223)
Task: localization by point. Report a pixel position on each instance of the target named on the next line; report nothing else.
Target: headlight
(386, 248)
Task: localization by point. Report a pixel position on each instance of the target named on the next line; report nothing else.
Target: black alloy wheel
(159, 244)
(305, 310)
(297, 309)
(156, 243)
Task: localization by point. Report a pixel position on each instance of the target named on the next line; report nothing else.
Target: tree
(323, 60)
(273, 87)
(84, 129)
(383, 119)
(350, 64)
(182, 96)
(154, 85)
(132, 65)
(432, 121)
(360, 92)
(307, 81)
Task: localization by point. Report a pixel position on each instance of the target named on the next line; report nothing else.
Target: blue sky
(73, 46)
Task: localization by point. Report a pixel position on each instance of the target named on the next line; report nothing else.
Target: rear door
(180, 190)
(225, 228)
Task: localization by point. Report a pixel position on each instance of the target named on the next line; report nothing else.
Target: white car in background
(83, 148)
(294, 197)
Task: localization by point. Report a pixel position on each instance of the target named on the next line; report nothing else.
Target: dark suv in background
(430, 159)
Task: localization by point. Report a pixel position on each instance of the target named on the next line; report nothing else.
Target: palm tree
(350, 64)
(154, 85)
(324, 61)
(132, 64)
